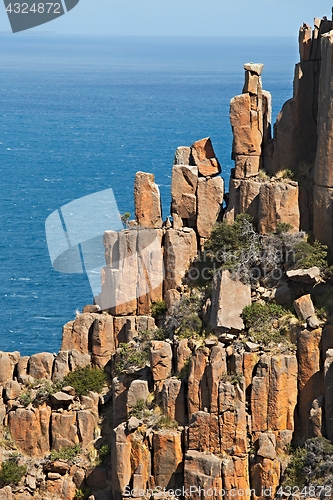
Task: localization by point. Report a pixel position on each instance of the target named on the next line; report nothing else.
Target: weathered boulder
(61, 398)
(160, 360)
(147, 201)
(232, 419)
(310, 378)
(267, 445)
(304, 307)
(203, 433)
(203, 156)
(87, 421)
(235, 475)
(215, 370)
(138, 391)
(180, 248)
(168, 458)
(278, 202)
(60, 366)
(76, 334)
(282, 397)
(12, 390)
(244, 122)
(309, 276)
(63, 430)
(7, 363)
(183, 192)
(173, 400)
(197, 392)
(6, 493)
(78, 360)
(182, 155)
(265, 477)
(202, 470)
(229, 297)
(210, 194)
(30, 430)
(305, 42)
(102, 340)
(133, 276)
(40, 365)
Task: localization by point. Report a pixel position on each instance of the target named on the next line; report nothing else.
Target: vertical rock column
(323, 172)
(250, 116)
(197, 189)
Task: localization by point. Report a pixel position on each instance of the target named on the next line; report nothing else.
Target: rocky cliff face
(206, 416)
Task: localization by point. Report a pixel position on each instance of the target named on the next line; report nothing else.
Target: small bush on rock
(310, 255)
(258, 315)
(67, 453)
(158, 308)
(11, 472)
(86, 379)
(132, 356)
(165, 422)
(311, 465)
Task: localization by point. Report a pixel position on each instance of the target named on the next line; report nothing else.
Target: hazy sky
(185, 17)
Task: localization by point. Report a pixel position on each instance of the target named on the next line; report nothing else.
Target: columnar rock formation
(216, 413)
(269, 201)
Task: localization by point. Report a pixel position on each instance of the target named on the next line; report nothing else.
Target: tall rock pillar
(323, 171)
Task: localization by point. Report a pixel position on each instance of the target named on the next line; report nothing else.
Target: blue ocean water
(83, 114)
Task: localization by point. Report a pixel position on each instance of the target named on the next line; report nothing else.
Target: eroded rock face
(168, 458)
(30, 430)
(160, 360)
(278, 202)
(229, 298)
(310, 380)
(180, 248)
(210, 194)
(133, 276)
(204, 158)
(147, 201)
(202, 470)
(183, 192)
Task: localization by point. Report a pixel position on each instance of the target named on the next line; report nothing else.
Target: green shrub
(43, 393)
(287, 173)
(11, 472)
(67, 453)
(234, 246)
(165, 422)
(268, 323)
(140, 410)
(258, 315)
(26, 398)
(132, 356)
(283, 227)
(234, 378)
(294, 475)
(308, 255)
(104, 453)
(86, 379)
(158, 308)
(79, 495)
(125, 218)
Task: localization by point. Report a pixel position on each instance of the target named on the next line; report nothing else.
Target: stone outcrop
(229, 298)
(147, 201)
